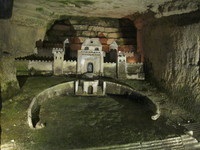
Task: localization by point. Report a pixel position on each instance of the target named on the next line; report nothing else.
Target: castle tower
(121, 65)
(58, 61)
(113, 48)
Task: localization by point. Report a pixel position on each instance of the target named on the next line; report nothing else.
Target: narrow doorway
(90, 68)
(90, 90)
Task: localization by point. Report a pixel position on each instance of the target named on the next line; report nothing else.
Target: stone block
(102, 34)
(114, 35)
(80, 27)
(93, 34)
(86, 33)
(96, 28)
(109, 30)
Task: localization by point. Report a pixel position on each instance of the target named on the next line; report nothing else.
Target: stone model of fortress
(90, 59)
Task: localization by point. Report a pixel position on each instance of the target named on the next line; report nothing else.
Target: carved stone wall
(172, 50)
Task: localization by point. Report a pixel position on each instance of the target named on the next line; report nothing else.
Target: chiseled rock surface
(172, 49)
(39, 12)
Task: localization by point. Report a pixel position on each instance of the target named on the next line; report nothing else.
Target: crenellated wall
(110, 70)
(69, 67)
(40, 65)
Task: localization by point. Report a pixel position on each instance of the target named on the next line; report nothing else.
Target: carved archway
(90, 90)
(90, 67)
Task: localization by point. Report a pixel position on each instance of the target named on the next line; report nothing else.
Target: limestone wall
(110, 70)
(8, 81)
(40, 65)
(69, 67)
(77, 29)
(172, 49)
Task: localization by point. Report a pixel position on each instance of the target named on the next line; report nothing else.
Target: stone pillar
(121, 66)
(139, 25)
(9, 84)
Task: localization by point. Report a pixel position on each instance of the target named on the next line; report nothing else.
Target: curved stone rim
(68, 88)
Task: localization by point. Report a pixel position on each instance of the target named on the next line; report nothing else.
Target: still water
(83, 122)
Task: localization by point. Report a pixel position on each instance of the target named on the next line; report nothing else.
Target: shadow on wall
(6, 7)
(55, 37)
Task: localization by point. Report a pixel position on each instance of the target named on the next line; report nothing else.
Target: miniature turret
(113, 48)
(121, 65)
(58, 61)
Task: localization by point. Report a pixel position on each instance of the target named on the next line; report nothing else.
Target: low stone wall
(172, 47)
(115, 88)
(34, 108)
(69, 88)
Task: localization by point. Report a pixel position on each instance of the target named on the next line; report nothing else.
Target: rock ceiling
(38, 12)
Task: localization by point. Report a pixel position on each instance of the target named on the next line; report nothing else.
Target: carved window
(86, 48)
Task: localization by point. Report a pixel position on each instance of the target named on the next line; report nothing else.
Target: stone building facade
(90, 57)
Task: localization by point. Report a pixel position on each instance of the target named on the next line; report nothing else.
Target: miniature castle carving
(90, 59)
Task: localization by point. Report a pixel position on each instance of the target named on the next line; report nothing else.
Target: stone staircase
(184, 142)
(194, 129)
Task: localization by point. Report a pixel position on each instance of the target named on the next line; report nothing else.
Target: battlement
(57, 50)
(34, 57)
(70, 61)
(129, 54)
(40, 61)
(137, 63)
(109, 63)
